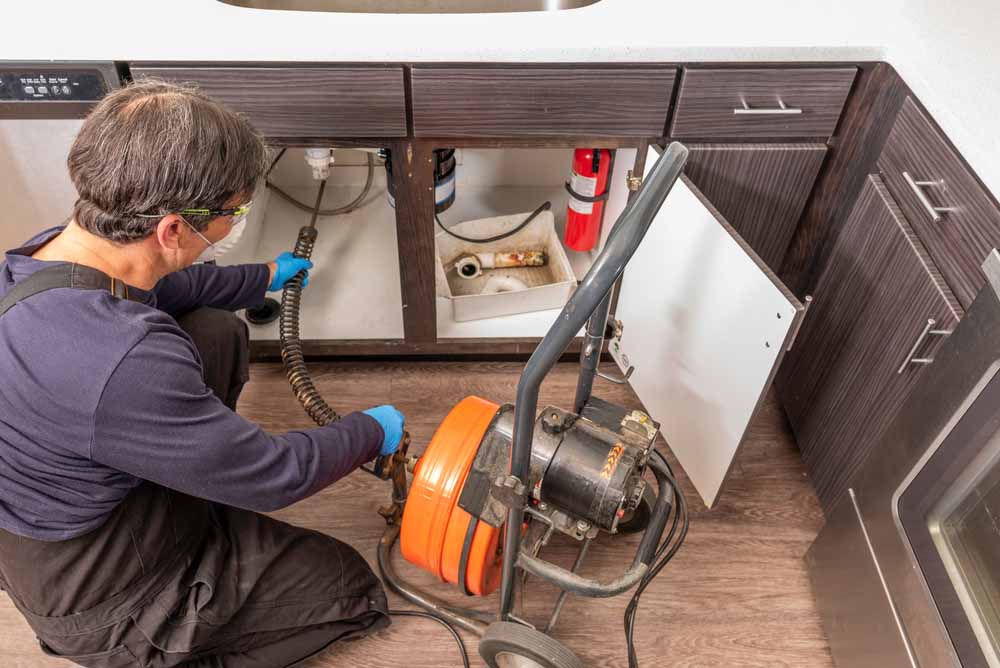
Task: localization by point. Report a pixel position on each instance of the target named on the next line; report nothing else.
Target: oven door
(949, 510)
(928, 503)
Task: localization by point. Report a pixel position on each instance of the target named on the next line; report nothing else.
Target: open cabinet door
(706, 324)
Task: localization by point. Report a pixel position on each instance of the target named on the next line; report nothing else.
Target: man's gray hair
(155, 148)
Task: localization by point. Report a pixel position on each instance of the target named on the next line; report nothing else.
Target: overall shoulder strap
(68, 275)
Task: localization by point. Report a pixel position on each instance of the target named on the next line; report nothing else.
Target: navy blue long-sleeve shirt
(98, 394)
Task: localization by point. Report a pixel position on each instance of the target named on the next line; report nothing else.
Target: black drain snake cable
(667, 550)
(298, 373)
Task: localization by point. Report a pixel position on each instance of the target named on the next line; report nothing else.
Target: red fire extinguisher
(588, 189)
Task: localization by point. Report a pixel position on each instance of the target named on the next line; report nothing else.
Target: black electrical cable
(451, 629)
(667, 550)
(534, 214)
(274, 163)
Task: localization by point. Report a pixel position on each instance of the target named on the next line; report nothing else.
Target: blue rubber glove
(288, 266)
(392, 422)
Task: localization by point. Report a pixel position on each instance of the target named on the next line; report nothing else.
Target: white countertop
(944, 51)
(611, 30)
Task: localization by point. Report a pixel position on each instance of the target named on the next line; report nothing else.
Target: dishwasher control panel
(54, 89)
(24, 85)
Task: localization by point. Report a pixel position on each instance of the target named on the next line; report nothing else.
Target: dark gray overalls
(195, 583)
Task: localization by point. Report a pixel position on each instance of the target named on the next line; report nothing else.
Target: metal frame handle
(927, 331)
(918, 189)
(619, 248)
(782, 110)
(571, 581)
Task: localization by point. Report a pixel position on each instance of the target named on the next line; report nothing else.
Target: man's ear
(169, 231)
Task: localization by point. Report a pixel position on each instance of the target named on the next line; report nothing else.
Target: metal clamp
(510, 491)
(632, 181)
(928, 331)
(918, 189)
(782, 109)
(617, 381)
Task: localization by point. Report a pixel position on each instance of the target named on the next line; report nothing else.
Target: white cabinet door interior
(705, 326)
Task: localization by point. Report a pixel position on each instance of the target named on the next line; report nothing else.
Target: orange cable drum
(434, 527)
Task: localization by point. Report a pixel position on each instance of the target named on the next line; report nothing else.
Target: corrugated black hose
(288, 327)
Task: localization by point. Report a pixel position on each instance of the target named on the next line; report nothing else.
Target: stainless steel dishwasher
(907, 570)
(42, 105)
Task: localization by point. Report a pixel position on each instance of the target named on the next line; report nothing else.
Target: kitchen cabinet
(524, 101)
(880, 310)
(951, 212)
(760, 103)
(315, 102)
(760, 189)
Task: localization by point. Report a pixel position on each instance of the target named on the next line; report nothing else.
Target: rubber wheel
(638, 519)
(511, 645)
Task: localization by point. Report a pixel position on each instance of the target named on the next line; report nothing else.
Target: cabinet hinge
(798, 328)
(632, 181)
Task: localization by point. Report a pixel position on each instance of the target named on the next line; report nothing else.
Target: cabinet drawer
(301, 101)
(926, 174)
(755, 103)
(541, 101)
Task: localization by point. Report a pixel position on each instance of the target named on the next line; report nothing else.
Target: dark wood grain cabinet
(320, 102)
(880, 305)
(760, 103)
(525, 101)
(760, 189)
(954, 216)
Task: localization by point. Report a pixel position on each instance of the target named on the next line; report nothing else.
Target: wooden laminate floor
(736, 595)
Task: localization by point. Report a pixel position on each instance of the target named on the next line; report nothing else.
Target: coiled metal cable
(288, 327)
(295, 363)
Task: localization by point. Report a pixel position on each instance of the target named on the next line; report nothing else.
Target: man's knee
(214, 329)
(222, 340)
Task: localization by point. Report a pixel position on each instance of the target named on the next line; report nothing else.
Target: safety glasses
(237, 212)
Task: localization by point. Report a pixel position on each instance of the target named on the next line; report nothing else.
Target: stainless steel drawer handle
(928, 331)
(918, 189)
(781, 110)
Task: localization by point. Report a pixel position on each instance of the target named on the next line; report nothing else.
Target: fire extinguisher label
(585, 185)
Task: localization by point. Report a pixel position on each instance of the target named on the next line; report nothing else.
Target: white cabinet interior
(354, 291)
(499, 182)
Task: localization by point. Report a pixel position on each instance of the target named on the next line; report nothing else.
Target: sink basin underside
(413, 6)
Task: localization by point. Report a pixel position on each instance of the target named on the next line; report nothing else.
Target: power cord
(667, 550)
(451, 629)
(534, 214)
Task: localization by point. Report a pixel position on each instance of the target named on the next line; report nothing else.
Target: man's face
(181, 244)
